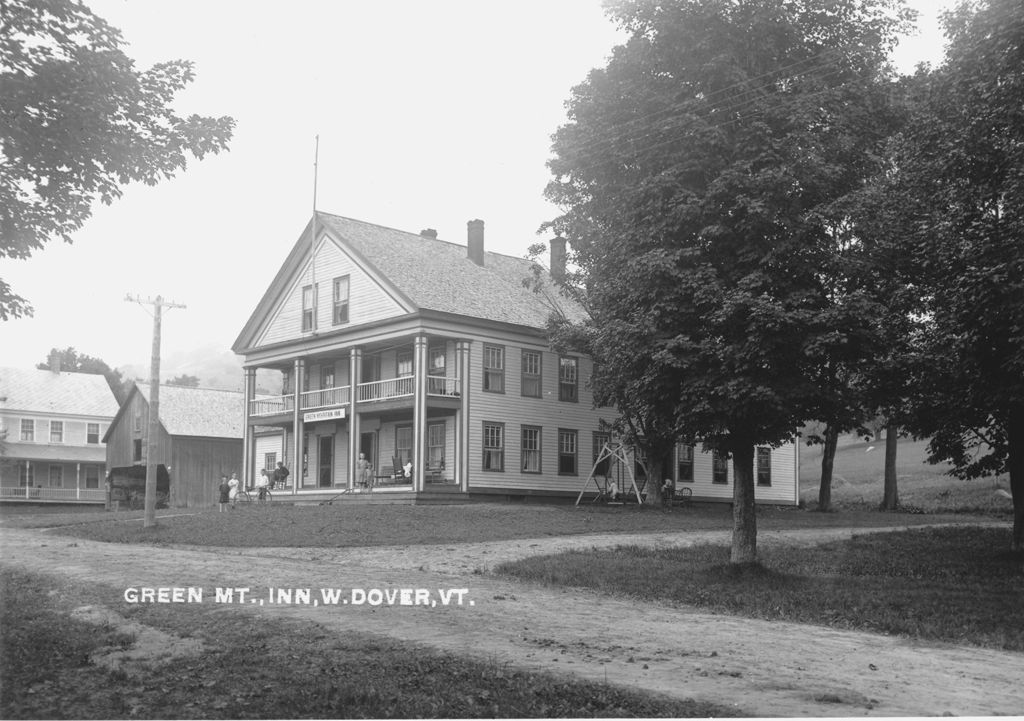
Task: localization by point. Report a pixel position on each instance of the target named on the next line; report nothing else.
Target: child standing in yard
(233, 489)
(224, 489)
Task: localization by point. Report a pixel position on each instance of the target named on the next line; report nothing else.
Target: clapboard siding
(782, 490)
(368, 300)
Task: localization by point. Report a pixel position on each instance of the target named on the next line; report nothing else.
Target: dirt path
(758, 667)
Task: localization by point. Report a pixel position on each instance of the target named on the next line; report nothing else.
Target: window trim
(563, 385)
(138, 450)
(539, 450)
(575, 435)
(89, 434)
(85, 473)
(57, 426)
(488, 371)
(326, 373)
(485, 449)
(31, 430)
(311, 310)
(412, 443)
(604, 437)
(444, 439)
(718, 460)
(524, 376)
(680, 461)
(60, 476)
(408, 357)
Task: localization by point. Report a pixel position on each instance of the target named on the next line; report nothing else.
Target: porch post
(297, 374)
(248, 444)
(78, 480)
(355, 366)
(419, 413)
(462, 367)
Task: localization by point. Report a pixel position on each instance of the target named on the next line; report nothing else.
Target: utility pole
(152, 432)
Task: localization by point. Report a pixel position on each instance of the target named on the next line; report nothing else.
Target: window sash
(531, 449)
(599, 440)
(28, 430)
(567, 446)
(341, 296)
(327, 377)
(435, 444)
(494, 447)
(56, 431)
(404, 365)
(764, 466)
(308, 307)
(531, 383)
(685, 462)
(92, 433)
(494, 369)
(92, 476)
(403, 444)
(26, 474)
(719, 468)
(56, 477)
(567, 377)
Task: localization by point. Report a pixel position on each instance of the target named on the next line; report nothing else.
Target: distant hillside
(214, 366)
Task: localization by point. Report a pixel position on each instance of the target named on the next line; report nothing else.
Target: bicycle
(264, 496)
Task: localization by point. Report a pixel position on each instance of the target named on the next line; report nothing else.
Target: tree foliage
(79, 122)
(70, 360)
(961, 174)
(702, 175)
(184, 380)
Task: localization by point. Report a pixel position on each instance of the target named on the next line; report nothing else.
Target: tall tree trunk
(828, 457)
(1015, 465)
(659, 466)
(744, 519)
(890, 495)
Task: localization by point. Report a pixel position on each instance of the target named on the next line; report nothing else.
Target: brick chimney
(55, 362)
(428, 233)
(475, 246)
(558, 259)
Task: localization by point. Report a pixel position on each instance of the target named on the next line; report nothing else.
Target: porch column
(419, 413)
(248, 437)
(78, 480)
(462, 368)
(297, 374)
(355, 369)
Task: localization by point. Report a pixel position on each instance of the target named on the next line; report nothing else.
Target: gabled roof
(199, 411)
(430, 274)
(43, 391)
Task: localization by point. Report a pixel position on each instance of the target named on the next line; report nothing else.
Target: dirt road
(758, 667)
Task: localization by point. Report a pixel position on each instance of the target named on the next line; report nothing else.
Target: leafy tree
(184, 380)
(962, 174)
(71, 361)
(79, 122)
(700, 173)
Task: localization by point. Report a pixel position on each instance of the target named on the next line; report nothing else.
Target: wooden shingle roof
(43, 391)
(199, 411)
(438, 275)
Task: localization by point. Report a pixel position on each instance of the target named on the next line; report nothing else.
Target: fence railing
(30, 493)
(271, 405)
(442, 386)
(325, 397)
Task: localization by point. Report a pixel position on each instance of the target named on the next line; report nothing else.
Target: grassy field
(950, 584)
(247, 671)
(339, 526)
(858, 480)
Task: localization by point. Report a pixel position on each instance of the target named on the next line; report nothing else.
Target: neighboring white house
(53, 424)
(410, 349)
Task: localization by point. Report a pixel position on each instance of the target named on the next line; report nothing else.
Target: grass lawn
(857, 480)
(275, 669)
(339, 526)
(949, 584)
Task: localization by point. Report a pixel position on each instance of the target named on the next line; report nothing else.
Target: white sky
(429, 114)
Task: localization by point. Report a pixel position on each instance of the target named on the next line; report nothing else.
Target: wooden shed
(200, 439)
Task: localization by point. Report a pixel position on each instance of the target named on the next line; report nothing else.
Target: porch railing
(386, 390)
(325, 397)
(442, 386)
(271, 405)
(53, 494)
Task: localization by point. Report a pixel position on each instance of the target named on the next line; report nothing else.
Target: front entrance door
(326, 457)
(368, 447)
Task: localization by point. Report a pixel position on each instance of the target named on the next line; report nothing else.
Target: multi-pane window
(28, 429)
(327, 376)
(92, 476)
(56, 431)
(494, 369)
(531, 374)
(436, 371)
(137, 450)
(26, 474)
(684, 454)
(494, 447)
(719, 467)
(567, 379)
(531, 449)
(56, 476)
(764, 466)
(403, 444)
(308, 308)
(340, 313)
(404, 365)
(92, 433)
(601, 469)
(270, 461)
(567, 452)
(435, 445)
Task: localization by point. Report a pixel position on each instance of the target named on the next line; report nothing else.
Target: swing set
(614, 477)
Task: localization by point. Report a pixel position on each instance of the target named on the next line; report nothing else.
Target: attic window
(309, 308)
(340, 313)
